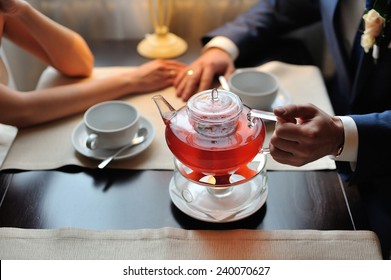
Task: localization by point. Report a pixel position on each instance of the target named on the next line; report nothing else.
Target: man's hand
(200, 74)
(304, 133)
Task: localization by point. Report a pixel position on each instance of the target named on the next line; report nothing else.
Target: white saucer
(79, 136)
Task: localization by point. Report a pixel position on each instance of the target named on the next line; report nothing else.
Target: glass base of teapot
(219, 203)
(240, 175)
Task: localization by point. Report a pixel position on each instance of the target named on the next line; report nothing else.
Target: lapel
(365, 68)
(329, 20)
(350, 83)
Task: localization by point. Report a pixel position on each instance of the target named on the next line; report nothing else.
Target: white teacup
(256, 89)
(111, 124)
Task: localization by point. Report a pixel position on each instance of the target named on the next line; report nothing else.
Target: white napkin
(7, 136)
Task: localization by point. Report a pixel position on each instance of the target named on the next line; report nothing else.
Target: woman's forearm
(42, 105)
(57, 45)
(23, 109)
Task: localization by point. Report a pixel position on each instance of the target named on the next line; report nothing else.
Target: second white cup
(111, 124)
(256, 89)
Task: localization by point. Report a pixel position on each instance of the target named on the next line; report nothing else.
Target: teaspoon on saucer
(138, 139)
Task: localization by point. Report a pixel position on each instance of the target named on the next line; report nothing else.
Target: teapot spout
(167, 112)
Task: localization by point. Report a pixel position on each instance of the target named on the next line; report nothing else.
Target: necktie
(369, 4)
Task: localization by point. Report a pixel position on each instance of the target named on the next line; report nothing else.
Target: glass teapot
(214, 134)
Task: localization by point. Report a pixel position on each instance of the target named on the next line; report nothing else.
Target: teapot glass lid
(214, 112)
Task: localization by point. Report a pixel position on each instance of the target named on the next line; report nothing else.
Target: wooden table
(119, 199)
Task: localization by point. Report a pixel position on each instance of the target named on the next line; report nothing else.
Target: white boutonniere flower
(375, 22)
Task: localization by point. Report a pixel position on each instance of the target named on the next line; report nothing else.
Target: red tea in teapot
(211, 134)
(214, 156)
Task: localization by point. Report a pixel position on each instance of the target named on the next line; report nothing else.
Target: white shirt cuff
(350, 148)
(225, 44)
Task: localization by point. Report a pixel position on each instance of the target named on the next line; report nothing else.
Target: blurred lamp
(162, 43)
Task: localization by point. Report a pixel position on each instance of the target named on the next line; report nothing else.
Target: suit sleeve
(374, 148)
(262, 24)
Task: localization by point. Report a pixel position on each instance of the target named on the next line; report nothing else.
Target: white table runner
(173, 243)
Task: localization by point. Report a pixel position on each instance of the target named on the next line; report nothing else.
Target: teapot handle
(260, 114)
(265, 115)
(265, 151)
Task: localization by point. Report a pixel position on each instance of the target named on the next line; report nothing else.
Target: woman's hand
(155, 75)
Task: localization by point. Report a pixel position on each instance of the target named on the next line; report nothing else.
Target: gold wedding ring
(190, 72)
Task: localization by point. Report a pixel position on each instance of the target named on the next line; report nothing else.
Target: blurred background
(129, 20)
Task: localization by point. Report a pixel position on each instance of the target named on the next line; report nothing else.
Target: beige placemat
(49, 146)
(173, 243)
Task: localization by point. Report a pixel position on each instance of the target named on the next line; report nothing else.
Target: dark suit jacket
(364, 90)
